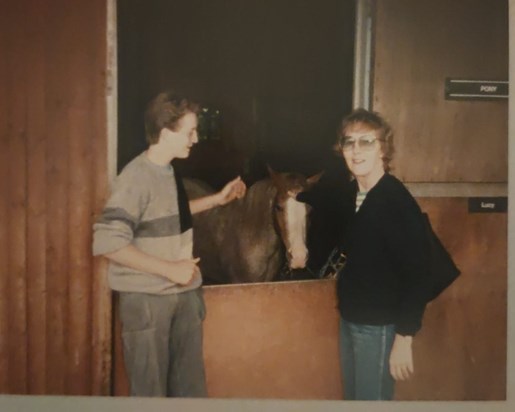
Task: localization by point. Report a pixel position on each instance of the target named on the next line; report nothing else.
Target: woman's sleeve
(407, 244)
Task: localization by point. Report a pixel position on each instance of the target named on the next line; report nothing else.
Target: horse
(251, 239)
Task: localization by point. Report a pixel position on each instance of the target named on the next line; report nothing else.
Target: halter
(287, 273)
(330, 270)
(333, 266)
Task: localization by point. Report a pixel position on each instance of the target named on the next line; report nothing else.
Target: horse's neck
(257, 205)
(245, 234)
(252, 216)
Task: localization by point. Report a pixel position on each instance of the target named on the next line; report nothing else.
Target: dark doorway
(276, 76)
(278, 71)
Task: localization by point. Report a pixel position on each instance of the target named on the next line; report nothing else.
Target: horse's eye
(278, 207)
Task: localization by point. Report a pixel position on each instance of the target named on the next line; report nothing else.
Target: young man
(145, 231)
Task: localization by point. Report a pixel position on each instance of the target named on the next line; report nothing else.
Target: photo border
(16, 403)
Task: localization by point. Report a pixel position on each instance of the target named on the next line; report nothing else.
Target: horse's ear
(311, 181)
(276, 177)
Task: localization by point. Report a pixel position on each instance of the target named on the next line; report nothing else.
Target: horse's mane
(259, 196)
(254, 210)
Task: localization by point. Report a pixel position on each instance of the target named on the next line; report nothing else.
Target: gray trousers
(162, 343)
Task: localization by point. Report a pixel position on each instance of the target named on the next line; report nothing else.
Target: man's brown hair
(166, 110)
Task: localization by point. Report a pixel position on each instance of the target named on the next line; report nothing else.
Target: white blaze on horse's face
(291, 216)
(295, 219)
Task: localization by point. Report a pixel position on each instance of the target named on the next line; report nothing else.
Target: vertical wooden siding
(54, 304)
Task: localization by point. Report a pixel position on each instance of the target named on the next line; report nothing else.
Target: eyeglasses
(365, 142)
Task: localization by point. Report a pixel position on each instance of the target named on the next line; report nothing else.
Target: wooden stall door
(417, 45)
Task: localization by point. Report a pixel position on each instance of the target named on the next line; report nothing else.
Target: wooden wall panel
(55, 309)
(417, 45)
(58, 46)
(102, 345)
(36, 207)
(4, 172)
(80, 269)
(4, 324)
(460, 353)
(17, 195)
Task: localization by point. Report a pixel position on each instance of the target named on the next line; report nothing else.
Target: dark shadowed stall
(279, 73)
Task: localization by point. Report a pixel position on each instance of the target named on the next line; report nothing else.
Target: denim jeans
(364, 357)
(162, 343)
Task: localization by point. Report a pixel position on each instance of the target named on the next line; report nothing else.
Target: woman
(383, 288)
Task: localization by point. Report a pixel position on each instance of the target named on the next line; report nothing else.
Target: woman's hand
(401, 358)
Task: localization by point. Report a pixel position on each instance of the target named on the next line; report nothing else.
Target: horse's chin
(297, 265)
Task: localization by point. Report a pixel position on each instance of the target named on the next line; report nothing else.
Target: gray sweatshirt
(143, 210)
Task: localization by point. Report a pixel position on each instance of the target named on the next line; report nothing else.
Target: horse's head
(291, 215)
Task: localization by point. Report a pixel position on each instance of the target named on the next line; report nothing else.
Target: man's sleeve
(115, 227)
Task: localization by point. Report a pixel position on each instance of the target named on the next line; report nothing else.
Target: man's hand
(401, 358)
(235, 189)
(183, 271)
(179, 271)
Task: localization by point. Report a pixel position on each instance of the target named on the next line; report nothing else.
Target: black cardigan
(386, 278)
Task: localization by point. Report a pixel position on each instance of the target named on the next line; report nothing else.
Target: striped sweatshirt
(143, 210)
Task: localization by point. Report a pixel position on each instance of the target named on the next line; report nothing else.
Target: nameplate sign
(460, 89)
(488, 204)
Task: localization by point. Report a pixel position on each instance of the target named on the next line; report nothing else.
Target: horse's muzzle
(297, 259)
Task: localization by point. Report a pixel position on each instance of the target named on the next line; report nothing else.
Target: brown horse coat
(244, 241)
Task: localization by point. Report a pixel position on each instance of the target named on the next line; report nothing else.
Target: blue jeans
(364, 358)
